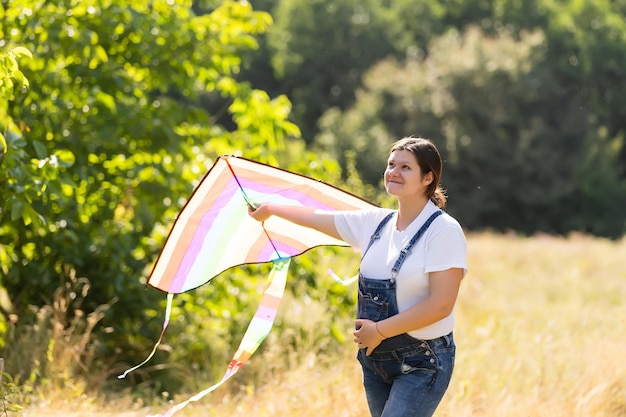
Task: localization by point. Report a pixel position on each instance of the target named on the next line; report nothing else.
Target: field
(541, 331)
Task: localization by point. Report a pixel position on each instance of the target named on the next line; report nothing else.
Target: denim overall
(403, 376)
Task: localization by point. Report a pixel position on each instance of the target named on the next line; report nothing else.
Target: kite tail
(257, 331)
(168, 312)
(340, 280)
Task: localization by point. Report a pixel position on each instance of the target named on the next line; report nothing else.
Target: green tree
(11, 79)
(319, 50)
(586, 50)
(114, 138)
(518, 139)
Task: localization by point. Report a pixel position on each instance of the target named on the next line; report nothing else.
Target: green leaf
(30, 215)
(40, 149)
(66, 158)
(21, 51)
(16, 210)
(3, 142)
(19, 142)
(107, 100)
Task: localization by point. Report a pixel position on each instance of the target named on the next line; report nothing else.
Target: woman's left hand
(366, 337)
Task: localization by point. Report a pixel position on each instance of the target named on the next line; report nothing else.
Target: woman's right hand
(260, 213)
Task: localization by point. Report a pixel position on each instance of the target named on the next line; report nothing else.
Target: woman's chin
(392, 189)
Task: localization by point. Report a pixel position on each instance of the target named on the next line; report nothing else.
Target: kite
(214, 232)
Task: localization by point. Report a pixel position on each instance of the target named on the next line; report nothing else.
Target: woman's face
(403, 176)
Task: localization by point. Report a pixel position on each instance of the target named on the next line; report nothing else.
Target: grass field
(541, 331)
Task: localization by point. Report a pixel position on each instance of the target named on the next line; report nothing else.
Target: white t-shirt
(441, 247)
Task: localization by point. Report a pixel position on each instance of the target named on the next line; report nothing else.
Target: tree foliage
(319, 50)
(565, 106)
(522, 118)
(114, 136)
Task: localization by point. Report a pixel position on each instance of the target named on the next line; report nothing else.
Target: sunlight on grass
(540, 332)
(538, 329)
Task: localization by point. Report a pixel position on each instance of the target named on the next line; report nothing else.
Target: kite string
(245, 196)
(252, 206)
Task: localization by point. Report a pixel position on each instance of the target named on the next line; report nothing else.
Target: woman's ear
(428, 178)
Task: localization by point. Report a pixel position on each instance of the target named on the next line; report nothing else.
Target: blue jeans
(403, 376)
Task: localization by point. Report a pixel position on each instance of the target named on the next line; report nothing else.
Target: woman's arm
(323, 221)
(444, 288)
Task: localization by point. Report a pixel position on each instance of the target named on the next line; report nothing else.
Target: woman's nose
(392, 171)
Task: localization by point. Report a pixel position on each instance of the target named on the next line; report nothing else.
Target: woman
(413, 261)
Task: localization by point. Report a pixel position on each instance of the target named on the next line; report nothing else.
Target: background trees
(520, 96)
(113, 138)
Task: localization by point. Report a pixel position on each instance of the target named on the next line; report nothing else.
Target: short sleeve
(357, 226)
(446, 248)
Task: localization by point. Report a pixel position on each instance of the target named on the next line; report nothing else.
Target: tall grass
(541, 331)
(56, 353)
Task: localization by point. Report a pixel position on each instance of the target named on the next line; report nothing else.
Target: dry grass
(540, 332)
(541, 329)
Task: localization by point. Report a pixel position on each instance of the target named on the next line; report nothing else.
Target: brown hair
(429, 160)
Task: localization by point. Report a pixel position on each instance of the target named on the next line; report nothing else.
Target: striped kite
(213, 232)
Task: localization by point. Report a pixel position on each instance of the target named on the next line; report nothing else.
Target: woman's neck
(408, 211)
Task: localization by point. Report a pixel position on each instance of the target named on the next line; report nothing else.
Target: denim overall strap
(376, 234)
(377, 298)
(407, 249)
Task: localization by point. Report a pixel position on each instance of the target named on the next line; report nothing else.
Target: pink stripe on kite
(290, 194)
(265, 313)
(200, 234)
